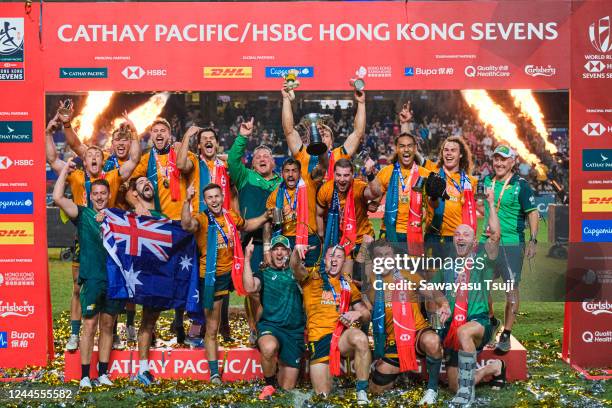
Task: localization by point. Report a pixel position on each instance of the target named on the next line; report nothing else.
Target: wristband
(371, 177)
(266, 246)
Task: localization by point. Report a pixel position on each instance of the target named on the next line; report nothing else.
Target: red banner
(25, 309)
(238, 46)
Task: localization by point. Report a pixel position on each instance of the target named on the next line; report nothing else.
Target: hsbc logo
(136, 72)
(599, 34)
(6, 162)
(594, 66)
(595, 129)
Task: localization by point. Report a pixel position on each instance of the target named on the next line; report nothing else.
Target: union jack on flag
(151, 261)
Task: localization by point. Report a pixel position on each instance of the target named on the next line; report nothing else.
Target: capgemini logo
(599, 34)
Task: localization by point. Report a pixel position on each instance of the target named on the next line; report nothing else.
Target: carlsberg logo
(15, 309)
(597, 308)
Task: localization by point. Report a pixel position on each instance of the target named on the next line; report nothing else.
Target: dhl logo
(596, 200)
(228, 72)
(16, 233)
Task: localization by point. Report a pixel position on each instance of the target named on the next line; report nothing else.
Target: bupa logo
(594, 66)
(6, 162)
(133, 72)
(228, 72)
(599, 34)
(3, 340)
(594, 129)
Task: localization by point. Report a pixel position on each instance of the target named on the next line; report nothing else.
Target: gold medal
(166, 183)
(404, 199)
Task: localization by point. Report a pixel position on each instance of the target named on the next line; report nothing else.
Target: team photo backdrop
(164, 47)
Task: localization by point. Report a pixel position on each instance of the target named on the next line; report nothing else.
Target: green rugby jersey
(478, 298)
(93, 255)
(517, 201)
(281, 298)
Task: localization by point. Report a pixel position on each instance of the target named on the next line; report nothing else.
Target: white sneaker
(104, 380)
(429, 398)
(131, 333)
(73, 342)
(362, 398)
(216, 379)
(85, 383)
(117, 343)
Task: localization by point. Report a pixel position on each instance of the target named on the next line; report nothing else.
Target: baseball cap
(504, 151)
(280, 240)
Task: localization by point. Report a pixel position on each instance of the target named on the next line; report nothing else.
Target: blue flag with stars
(151, 261)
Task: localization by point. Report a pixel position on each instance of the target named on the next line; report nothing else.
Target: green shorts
(291, 342)
(484, 321)
(94, 300)
(223, 286)
(319, 349)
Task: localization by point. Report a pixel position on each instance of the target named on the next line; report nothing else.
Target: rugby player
(217, 256)
(281, 324)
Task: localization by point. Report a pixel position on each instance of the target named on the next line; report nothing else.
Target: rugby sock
(506, 332)
(433, 372)
(84, 370)
(361, 385)
(271, 380)
(143, 366)
(213, 366)
(75, 327)
(102, 368)
(130, 317)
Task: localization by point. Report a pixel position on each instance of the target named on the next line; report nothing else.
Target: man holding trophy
(320, 135)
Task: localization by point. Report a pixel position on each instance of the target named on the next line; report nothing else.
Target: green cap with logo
(280, 240)
(504, 151)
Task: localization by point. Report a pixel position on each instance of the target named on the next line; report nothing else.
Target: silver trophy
(315, 147)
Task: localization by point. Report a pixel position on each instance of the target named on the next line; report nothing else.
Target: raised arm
(251, 284)
(293, 138)
(128, 167)
(66, 204)
(182, 161)
(237, 170)
(374, 189)
(65, 117)
(188, 222)
(50, 150)
(351, 145)
(295, 263)
(320, 221)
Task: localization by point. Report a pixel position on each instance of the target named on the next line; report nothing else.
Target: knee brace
(381, 379)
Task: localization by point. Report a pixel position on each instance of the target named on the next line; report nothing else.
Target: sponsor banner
(597, 230)
(597, 160)
(16, 233)
(16, 131)
(280, 72)
(8, 278)
(596, 200)
(83, 73)
(239, 364)
(467, 44)
(542, 201)
(16, 203)
(12, 46)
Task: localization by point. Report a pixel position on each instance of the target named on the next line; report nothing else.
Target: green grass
(539, 327)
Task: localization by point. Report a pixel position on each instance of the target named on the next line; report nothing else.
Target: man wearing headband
(346, 151)
(254, 186)
(333, 308)
(515, 204)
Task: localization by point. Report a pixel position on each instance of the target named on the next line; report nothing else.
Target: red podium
(238, 363)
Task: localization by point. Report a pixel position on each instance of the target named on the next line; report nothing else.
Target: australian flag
(151, 261)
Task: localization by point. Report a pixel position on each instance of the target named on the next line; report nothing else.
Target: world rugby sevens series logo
(599, 34)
